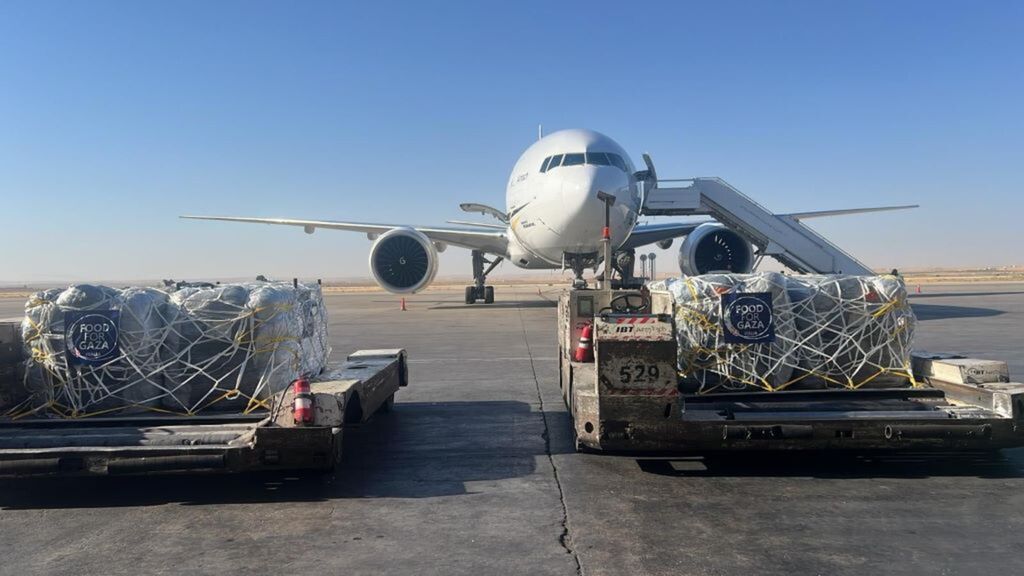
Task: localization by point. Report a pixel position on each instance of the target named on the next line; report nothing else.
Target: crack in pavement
(565, 538)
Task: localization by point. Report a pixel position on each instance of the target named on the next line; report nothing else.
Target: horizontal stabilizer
(485, 210)
(844, 212)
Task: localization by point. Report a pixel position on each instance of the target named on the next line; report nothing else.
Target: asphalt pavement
(474, 473)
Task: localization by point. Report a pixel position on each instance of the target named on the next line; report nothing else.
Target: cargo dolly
(628, 398)
(345, 396)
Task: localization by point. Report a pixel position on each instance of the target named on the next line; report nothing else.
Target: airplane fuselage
(552, 199)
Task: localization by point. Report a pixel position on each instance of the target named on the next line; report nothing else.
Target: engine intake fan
(403, 261)
(715, 248)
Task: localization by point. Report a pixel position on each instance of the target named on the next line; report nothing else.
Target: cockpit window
(592, 158)
(573, 160)
(617, 162)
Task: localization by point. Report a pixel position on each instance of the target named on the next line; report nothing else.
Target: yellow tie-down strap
(821, 339)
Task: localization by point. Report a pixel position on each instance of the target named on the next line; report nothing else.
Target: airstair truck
(630, 395)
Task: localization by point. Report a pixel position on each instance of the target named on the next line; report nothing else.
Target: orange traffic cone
(402, 306)
(584, 351)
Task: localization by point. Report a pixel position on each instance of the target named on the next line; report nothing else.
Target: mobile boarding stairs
(781, 236)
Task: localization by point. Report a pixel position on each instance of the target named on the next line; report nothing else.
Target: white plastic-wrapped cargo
(95, 350)
(771, 331)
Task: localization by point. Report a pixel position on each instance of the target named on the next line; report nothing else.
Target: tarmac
(474, 473)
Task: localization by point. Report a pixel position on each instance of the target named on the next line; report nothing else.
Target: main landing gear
(474, 293)
(479, 290)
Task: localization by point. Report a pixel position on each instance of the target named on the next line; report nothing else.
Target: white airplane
(554, 219)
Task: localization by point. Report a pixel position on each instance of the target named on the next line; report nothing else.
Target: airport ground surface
(474, 473)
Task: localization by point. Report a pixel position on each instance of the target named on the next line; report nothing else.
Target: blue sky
(116, 117)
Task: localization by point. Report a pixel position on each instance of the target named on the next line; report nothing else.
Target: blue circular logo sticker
(91, 337)
(747, 318)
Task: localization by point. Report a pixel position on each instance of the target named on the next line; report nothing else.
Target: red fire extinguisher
(302, 408)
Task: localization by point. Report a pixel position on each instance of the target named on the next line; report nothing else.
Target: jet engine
(715, 248)
(403, 261)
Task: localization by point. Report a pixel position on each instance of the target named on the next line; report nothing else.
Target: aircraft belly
(524, 255)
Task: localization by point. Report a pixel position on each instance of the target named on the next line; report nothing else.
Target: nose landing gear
(577, 263)
(479, 290)
(623, 263)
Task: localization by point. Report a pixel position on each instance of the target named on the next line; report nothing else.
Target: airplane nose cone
(583, 212)
(579, 194)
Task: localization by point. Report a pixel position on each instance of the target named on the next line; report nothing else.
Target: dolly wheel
(388, 404)
(578, 446)
(333, 462)
(489, 295)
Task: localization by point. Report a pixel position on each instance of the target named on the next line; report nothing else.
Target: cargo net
(830, 331)
(196, 348)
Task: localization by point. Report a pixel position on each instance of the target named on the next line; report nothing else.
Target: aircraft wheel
(470, 294)
(489, 295)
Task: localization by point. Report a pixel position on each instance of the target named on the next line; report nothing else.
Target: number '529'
(638, 373)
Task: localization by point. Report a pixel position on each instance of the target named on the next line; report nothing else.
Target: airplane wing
(491, 242)
(477, 224)
(844, 212)
(650, 233)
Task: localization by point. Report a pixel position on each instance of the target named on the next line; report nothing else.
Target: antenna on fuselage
(540, 131)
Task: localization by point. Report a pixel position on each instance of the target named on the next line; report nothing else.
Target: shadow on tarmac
(1006, 464)
(420, 450)
(939, 312)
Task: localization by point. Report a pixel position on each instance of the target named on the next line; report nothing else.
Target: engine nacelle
(403, 261)
(715, 248)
